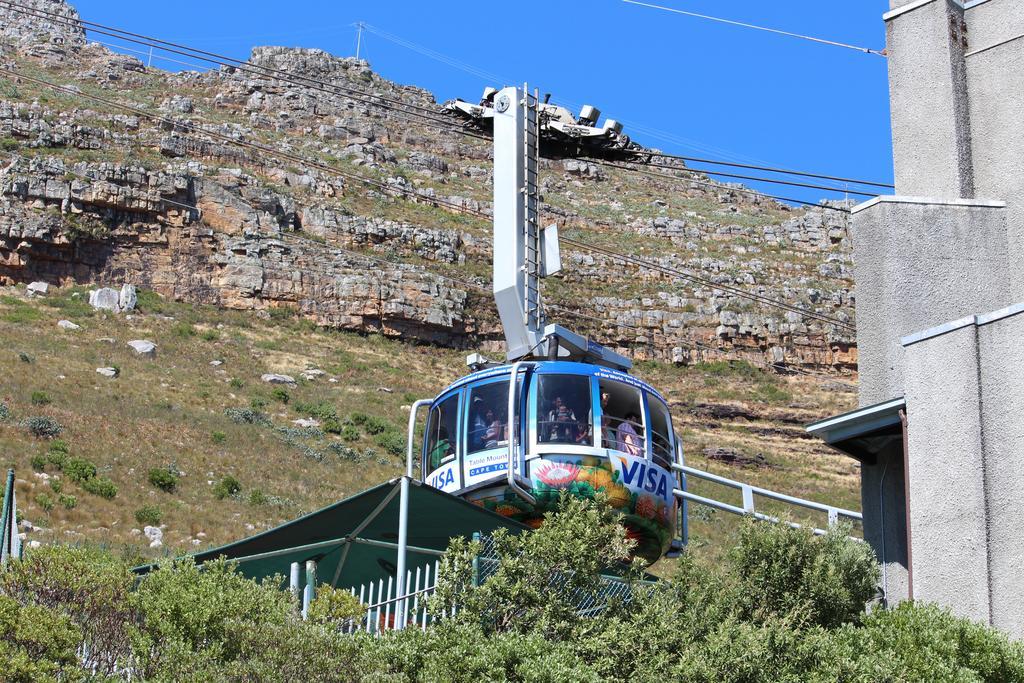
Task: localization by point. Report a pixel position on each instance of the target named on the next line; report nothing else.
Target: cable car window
(441, 442)
(488, 420)
(563, 410)
(661, 432)
(622, 427)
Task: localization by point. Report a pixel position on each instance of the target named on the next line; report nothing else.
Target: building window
(563, 410)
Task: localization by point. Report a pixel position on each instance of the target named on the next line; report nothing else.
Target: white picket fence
(386, 611)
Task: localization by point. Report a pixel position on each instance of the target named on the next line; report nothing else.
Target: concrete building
(940, 323)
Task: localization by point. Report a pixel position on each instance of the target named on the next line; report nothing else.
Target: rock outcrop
(114, 199)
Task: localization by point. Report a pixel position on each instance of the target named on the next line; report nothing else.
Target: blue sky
(682, 84)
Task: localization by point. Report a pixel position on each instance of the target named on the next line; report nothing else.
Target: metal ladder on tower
(534, 314)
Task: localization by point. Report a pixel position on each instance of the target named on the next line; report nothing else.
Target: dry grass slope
(174, 413)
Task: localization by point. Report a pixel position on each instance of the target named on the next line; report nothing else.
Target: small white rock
(250, 527)
(196, 541)
(312, 373)
(41, 475)
(143, 347)
(135, 532)
(105, 299)
(38, 289)
(155, 536)
(128, 298)
(34, 544)
(108, 340)
(305, 422)
(68, 325)
(216, 363)
(272, 378)
(107, 372)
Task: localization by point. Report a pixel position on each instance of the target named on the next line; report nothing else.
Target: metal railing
(748, 493)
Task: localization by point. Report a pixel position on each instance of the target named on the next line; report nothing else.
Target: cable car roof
(556, 367)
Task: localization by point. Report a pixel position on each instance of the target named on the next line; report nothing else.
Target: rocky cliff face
(92, 194)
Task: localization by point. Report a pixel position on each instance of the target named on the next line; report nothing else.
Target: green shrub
(376, 425)
(247, 416)
(226, 487)
(5, 412)
(280, 394)
(164, 479)
(151, 302)
(57, 453)
(59, 446)
(335, 607)
(349, 433)
(21, 314)
(24, 357)
(41, 398)
(38, 462)
(322, 411)
(333, 426)
(79, 470)
(68, 502)
(43, 427)
(36, 643)
(148, 515)
(183, 330)
(236, 383)
(218, 437)
(371, 423)
(210, 335)
(258, 403)
(392, 442)
(56, 485)
(257, 497)
(784, 571)
(100, 486)
(44, 501)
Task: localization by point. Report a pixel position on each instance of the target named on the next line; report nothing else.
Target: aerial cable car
(562, 413)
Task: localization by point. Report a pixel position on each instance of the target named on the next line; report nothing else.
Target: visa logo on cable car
(442, 478)
(637, 473)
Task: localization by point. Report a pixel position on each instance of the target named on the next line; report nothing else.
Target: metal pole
(359, 37)
(293, 582)
(5, 519)
(149, 62)
(309, 593)
(403, 543)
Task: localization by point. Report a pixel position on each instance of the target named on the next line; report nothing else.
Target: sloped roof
(363, 532)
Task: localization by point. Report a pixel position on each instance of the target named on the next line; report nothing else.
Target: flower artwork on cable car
(583, 429)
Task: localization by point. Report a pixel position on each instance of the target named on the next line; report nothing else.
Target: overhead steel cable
(824, 41)
(760, 179)
(402, 191)
(719, 186)
(422, 115)
(766, 169)
(683, 275)
(279, 153)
